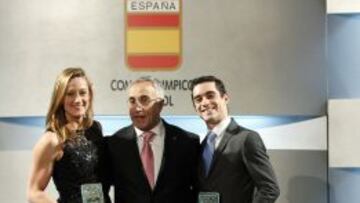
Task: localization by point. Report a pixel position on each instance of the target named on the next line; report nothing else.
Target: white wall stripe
(304, 135)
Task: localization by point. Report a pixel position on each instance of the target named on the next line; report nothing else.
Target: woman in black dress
(71, 151)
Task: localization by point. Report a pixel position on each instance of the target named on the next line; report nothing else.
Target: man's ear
(226, 97)
(161, 102)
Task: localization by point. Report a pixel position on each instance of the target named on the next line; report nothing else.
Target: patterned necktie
(208, 152)
(147, 157)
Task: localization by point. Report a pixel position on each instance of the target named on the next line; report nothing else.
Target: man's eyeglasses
(142, 101)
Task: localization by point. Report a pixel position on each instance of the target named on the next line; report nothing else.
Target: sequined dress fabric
(82, 162)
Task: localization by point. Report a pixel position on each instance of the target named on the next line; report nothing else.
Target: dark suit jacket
(240, 165)
(177, 175)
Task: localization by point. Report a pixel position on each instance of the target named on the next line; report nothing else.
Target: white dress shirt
(219, 130)
(157, 145)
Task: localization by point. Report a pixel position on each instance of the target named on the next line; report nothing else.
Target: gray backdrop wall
(271, 53)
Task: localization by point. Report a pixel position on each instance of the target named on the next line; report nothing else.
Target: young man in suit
(151, 160)
(234, 166)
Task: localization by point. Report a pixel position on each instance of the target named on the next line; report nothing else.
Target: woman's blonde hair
(55, 118)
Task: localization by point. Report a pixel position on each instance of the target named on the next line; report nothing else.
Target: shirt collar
(157, 129)
(220, 128)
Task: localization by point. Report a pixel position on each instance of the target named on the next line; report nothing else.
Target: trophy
(92, 193)
(209, 197)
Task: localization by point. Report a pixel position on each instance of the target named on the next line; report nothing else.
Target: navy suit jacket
(241, 171)
(178, 170)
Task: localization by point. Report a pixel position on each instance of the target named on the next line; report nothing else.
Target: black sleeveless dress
(83, 162)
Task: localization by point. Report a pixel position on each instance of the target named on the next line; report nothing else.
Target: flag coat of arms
(153, 34)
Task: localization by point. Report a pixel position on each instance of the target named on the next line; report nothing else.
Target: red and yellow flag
(153, 34)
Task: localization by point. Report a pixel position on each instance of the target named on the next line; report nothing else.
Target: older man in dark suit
(151, 160)
(234, 165)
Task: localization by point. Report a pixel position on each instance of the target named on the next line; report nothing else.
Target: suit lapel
(229, 132)
(169, 148)
(202, 170)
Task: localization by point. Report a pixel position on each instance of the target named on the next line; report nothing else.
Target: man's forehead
(203, 93)
(202, 88)
(141, 89)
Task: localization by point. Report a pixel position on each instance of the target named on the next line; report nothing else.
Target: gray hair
(155, 82)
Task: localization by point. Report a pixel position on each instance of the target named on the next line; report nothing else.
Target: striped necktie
(147, 157)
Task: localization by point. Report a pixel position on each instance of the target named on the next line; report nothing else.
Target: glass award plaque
(209, 197)
(92, 193)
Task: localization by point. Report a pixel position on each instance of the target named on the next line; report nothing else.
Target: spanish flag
(153, 34)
